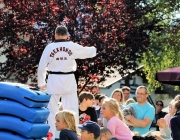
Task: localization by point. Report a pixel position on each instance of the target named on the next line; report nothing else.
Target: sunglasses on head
(159, 104)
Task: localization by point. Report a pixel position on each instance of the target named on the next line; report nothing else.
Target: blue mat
(34, 115)
(24, 128)
(4, 135)
(24, 94)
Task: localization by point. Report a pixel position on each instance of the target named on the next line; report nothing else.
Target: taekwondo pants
(69, 102)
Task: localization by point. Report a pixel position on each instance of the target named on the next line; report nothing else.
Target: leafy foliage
(165, 55)
(164, 44)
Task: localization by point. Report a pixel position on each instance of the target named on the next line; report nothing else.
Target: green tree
(163, 54)
(164, 44)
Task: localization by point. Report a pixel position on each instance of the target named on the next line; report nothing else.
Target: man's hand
(42, 88)
(137, 122)
(128, 117)
(128, 123)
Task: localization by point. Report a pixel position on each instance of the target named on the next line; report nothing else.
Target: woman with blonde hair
(164, 123)
(65, 122)
(118, 95)
(111, 112)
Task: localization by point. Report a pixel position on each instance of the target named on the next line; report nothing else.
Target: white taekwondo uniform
(60, 57)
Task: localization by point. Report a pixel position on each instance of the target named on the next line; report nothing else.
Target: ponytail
(114, 106)
(120, 115)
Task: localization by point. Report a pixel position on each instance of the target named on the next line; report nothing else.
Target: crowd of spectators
(109, 27)
(130, 121)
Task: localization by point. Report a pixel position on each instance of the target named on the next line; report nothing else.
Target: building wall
(108, 91)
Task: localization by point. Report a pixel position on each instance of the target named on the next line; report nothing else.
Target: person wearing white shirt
(59, 58)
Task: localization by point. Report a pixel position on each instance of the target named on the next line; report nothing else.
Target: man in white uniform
(59, 59)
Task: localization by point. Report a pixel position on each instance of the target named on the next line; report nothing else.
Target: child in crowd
(97, 99)
(164, 123)
(129, 101)
(111, 112)
(101, 99)
(100, 119)
(118, 95)
(65, 122)
(106, 134)
(96, 104)
(86, 110)
(98, 107)
(89, 131)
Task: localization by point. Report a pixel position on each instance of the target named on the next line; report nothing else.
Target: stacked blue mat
(23, 112)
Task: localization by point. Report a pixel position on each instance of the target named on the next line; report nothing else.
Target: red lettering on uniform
(67, 50)
(57, 58)
(57, 49)
(70, 53)
(54, 51)
(65, 58)
(60, 49)
(61, 58)
(64, 49)
(52, 54)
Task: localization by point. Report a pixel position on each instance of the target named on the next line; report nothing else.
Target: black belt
(58, 72)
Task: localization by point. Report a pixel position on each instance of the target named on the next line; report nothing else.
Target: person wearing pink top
(164, 123)
(166, 119)
(110, 111)
(119, 129)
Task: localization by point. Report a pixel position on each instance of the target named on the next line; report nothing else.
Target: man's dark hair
(85, 95)
(146, 90)
(101, 97)
(61, 31)
(97, 96)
